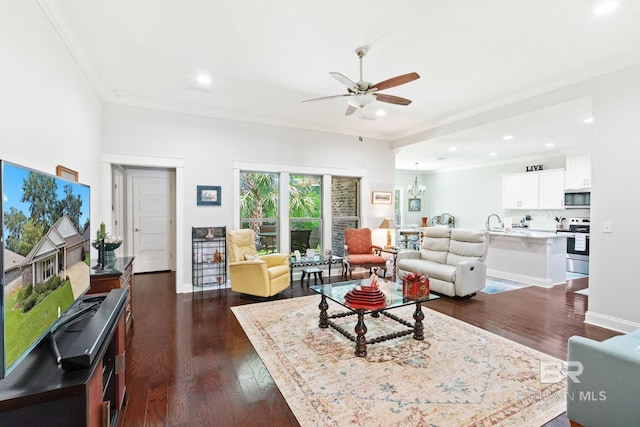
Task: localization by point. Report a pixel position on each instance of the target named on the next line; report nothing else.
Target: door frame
(107, 160)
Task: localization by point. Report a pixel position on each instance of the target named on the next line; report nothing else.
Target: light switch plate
(607, 227)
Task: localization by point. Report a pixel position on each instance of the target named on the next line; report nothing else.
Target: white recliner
(452, 259)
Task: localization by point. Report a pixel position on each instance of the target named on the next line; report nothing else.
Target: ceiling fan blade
(394, 81)
(350, 84)
(327, 97)
(350, 110)
(391, 99)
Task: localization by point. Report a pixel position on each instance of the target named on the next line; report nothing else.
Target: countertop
(527, 234)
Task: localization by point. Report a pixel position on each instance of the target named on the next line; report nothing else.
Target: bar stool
(308, 271)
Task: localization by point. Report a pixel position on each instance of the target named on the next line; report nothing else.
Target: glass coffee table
(393, 298)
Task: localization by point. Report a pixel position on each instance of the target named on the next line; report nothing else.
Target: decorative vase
(424, 221)
(109, 258)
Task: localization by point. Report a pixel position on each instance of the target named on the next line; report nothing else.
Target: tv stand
(39, 389)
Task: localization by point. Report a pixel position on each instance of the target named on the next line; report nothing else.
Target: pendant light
(416, 190)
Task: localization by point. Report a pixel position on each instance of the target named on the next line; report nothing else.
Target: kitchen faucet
(489, 221)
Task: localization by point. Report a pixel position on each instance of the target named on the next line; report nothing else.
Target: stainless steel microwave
(577, 199)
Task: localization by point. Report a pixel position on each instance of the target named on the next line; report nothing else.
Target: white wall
(49, 113)
(613, 286)
(210, 147)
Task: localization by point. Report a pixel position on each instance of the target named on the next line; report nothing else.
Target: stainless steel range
(577, 245)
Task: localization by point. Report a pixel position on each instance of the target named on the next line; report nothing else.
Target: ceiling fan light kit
(363, 93)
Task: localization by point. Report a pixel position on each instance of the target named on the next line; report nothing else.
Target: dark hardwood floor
(189, 363)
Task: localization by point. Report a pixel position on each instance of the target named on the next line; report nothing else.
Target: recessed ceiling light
(605, 7)
(588, 120)
(119, 93)
(204, 79)
(452, 148)
(380, 113)
(549, 144)
(493, 154)
(507, 137)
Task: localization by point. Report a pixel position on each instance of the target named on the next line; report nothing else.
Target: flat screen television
(45, 256)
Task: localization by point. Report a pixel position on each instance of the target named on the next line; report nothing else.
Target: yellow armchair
(251, 274)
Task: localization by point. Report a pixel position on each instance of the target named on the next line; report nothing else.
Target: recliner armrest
(275, 259)
(471, 276)
(609, 376)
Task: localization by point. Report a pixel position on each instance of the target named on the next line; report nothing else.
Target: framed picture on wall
(66, 173)
(209, 195)
(381, 197)
(414, 205)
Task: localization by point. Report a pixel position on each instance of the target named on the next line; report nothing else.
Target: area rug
(495, 285)
(459, 375)
(571, 275)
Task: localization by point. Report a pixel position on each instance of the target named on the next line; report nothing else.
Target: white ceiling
(266, 57)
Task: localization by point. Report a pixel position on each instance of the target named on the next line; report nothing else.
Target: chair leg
(321, 281)
(302, 278)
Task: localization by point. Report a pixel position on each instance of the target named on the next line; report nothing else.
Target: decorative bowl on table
(108, 246)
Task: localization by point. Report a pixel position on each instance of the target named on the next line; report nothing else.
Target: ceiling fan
(363, 93)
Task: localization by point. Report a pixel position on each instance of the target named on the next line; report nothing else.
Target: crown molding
(54, 12)
(225, 115)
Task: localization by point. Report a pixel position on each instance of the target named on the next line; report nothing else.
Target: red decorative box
(415, 286)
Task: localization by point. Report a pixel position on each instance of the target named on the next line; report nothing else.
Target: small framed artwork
(209, 195)
(66, 173)
(381, 197)
(414, 205)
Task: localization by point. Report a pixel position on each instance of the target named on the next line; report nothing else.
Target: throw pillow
(252, 257)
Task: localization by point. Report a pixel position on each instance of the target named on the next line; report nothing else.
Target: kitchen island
(533, 257)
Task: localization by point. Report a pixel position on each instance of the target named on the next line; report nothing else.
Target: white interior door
(151, 221)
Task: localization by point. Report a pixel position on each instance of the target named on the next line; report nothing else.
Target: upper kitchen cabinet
(578, 174)
(520, 191)
(533, 190)
(551, 195)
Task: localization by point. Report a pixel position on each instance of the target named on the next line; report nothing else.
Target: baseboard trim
(530, 280)
(608, 322)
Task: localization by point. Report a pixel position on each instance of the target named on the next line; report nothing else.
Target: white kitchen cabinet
(520, 191)
(578, 173)
(551, 192)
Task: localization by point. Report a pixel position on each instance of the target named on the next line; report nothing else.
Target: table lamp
(389, 225)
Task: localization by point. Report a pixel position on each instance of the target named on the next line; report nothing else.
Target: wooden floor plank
(189, 362)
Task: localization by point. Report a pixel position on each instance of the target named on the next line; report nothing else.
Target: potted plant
(559, 221)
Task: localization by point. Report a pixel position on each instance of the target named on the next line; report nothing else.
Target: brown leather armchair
(251, 274)
(359, 251)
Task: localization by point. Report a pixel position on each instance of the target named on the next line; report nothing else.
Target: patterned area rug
(459, 375)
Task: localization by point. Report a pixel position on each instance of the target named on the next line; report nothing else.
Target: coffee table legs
(324, 318)
(361, 330)
(418, 316)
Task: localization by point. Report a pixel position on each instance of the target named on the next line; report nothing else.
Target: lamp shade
(388, 224)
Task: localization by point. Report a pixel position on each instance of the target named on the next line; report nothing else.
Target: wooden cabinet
(533, 190)
(118, 276)
(551, 194)
(578, 173)
(520, 191)
(39, 392)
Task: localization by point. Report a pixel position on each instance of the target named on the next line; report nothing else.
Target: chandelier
(416, 190)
